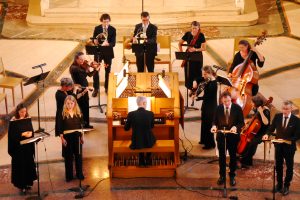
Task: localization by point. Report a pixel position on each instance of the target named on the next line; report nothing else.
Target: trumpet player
(148, 33)
(104, 35)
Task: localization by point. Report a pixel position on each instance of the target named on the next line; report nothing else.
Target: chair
(236, 48)
(164, 43)
(9, 82)
(3, 97)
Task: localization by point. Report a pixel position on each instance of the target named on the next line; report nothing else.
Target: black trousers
(247, 157)
(72, 151)
(149, 62)
(231, 145)
(284, 152)
(142, 160)
(206, 137)
(96, 78)
(83, 103)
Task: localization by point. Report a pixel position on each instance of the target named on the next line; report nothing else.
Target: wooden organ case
(167, 109)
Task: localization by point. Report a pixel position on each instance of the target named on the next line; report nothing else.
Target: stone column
(240, 4)
(45, 4)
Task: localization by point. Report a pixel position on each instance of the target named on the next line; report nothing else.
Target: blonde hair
(76, 109)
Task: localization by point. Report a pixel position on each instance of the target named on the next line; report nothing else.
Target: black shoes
(94, 94)
(232, 181)
(80, 177)
(278, 188)
(88, 126)
(208, 147)
(285, 191)
(221, 180)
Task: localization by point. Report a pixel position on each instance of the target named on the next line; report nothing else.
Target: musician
(79, 71)
(23, 171)
(228, 116)
(257, 59)
(149, 32)
(263, 115)
(287, 127)
(71, 119)
(100, 32)
(208, 107)
(197, 43)
(142, 122)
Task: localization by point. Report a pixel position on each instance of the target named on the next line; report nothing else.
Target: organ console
(167, 104)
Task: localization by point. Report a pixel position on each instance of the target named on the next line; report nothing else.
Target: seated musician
(71, 119)
(142, 122)
(105, 35)
(228, 116)
(149, 32)
(263, 116)
(197, 43)
(287, 127)
(208, 107)
(79, 71)
(257, 59)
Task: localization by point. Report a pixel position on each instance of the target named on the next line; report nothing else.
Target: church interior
(42, 37)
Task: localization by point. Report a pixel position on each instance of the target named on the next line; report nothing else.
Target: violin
(250, 130)
(196, 92)
(93, 65)
(244, 76)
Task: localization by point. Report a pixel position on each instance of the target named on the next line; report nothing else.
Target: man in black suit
(287, 127)
(104, 35)
(147, 31)
(228, 116)
(141, 121)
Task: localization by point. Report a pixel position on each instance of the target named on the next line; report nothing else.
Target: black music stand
(38, 79)
(36, 140)
(145, 48)
(99, 51)
(188, 56)
(223, 81)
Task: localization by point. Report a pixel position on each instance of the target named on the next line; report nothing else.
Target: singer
(70, 119)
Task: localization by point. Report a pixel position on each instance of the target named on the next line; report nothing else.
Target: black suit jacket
(151, 33)
(236, 118)
(141, 121)
(292, 132)
(111, 34)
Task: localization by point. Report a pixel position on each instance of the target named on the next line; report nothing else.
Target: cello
(244, 76)
(250, 130)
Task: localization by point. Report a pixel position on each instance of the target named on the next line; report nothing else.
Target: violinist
(263, 116)
(198, 44)
(208, 107)
(257, 59)
(105, 35)
(79, 71)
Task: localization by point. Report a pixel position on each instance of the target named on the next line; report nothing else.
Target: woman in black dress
(197, 43)
(257, 58)
(69, 124)
(208, 108)
(23, 171)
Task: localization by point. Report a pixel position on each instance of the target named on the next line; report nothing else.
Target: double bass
(244, 76)
(250, 130)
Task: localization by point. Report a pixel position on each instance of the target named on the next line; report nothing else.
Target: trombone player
(104, 35)
(148, 33)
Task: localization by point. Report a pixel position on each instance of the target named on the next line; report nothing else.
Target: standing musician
(142, 122)
(147, 31)
(209, 105)
(104, 35)
(197, 43)
(263, 115)
(23, 171)
(287, 127)
(228, 116)
(256, 58)
(79, 71)
(70, 119)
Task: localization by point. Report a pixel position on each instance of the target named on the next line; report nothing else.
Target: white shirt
(287, 121)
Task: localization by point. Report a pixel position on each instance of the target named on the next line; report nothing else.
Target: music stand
(99, 51)
(37, 79)
(144, 47)
(36, 140)
(188, 56)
